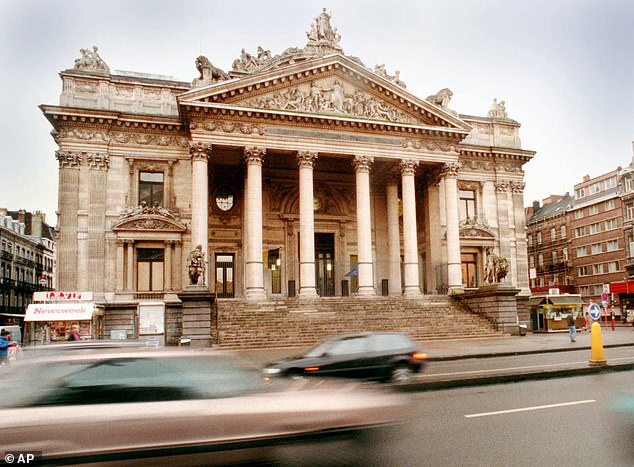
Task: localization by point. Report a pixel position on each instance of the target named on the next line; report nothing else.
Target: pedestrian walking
(572, 327)
(584, 323)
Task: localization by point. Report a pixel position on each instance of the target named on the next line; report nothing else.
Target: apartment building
(597, 244)
(548, 238)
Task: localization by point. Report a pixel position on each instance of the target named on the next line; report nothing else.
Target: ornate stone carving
(68, 159)
(196, 266)
(91, 61)
(306, 158)
(408, 166)
(474, 227)
(396, 79)
(362, 163)
(98, 161)
(228, 127)
(498, 110)
(517, 187)
(441, 98)
(451, 169)
(496, 268)
(144, 209)
(209, 74)
(430, 144)
(254, 155)
(501, 186)
(200, 151)
(333, 99)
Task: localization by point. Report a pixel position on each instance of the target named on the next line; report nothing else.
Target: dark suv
(385, 356)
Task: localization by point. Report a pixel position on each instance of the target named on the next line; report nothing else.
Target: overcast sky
(565, 68)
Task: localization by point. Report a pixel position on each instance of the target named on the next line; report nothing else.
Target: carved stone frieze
(473, 164)
(474, 227)
(228, 127)
(330, 96)
(84, 134)
(69, 159)
(306, 158)
(144, 217)
(254, 155)
(429, 144)
(98, 161)
(200, 151)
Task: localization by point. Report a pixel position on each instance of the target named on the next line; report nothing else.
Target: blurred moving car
(146, 406)
(386, 356)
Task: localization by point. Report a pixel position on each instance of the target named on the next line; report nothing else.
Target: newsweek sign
(59, 312)
(62, 296)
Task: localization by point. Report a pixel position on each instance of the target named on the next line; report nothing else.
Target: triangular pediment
(333, 87)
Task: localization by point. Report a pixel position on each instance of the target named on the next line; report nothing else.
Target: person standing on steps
(572, 327)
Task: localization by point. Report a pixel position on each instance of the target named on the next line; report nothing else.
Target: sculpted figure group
(91, 61)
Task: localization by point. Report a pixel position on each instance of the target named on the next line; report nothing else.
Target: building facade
(548, 239)
(27, 261)
(301, 174)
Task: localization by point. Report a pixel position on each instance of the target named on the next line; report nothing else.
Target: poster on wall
(151, 318)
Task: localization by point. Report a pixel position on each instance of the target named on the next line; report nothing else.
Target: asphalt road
(556, 422)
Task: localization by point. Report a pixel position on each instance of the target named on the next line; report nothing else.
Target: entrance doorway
(224, 275)
(325, 264)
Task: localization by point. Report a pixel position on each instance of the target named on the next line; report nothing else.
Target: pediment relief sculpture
(331, 96)
(144, 217)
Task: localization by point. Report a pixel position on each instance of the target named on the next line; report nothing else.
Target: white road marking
(430, 375)
(528, 409)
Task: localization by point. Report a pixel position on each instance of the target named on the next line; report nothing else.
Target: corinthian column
(305, 160)
(410, 238)
(254, 268)
(200, 153)
(454, 271)
(362, 166)
(393, 238)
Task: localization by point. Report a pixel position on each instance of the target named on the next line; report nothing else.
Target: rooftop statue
(321, 30)
(441, 98)
(91, 61)
(498, 110)
(209, 74)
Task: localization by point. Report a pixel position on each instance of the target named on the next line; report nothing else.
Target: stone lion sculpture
(208, 73)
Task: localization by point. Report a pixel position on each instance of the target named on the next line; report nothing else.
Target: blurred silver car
(144, 406)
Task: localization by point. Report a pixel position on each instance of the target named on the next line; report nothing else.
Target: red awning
(622, 287)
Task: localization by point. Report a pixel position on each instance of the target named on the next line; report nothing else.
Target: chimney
(586, 178)
(535, 206)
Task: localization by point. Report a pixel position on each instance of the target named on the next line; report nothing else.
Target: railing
(148, 296)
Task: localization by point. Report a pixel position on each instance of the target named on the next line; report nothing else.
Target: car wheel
(401, 374)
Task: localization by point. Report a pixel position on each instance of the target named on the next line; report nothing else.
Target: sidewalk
(532, 343)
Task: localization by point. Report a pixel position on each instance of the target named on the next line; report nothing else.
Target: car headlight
(271, 371)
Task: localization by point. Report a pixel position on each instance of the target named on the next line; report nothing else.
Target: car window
(349, 345)
(123, 380)
(387, 342)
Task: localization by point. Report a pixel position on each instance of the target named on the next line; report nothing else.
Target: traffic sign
(604, 296)
(595, 311)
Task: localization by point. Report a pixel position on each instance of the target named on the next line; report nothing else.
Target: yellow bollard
(597, 358)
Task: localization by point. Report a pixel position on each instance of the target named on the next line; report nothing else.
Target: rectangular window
(529, 240)
(554, 256)
(595, 248)
(564, 254)
(612, 245)
(553, 234)
(595, 188)
(597, 269)
(597, 289)
(582, 271)
(629, 211)
(150, 269)
(579, 214)
(467, 205)
(580, 193)
(613, 266)
(581, 251)
(580, 232)
(540, 260)
(610, 224)
(595, 228)
(539, 238)
(531, 261)
(629, 184)
(609, 183)
(594, 209)
(563, 231)
(151, 188)
(609, 205)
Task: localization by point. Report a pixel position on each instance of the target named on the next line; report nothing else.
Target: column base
(255, 295)
(308, 292)
(412, 292)
(366, 291)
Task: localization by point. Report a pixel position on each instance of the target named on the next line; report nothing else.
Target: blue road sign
(595, 311)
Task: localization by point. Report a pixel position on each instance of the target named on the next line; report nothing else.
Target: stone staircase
(285, 323)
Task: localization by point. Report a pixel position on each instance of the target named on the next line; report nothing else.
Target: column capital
(98, 161)
(254, 155)
(408, 166)
(200, 151)
(451, 169)
(306, 158)
(69, 159)
(362, 163)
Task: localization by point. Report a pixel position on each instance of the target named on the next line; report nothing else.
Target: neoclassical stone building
(301, 174)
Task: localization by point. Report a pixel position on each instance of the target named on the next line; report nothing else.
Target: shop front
(46, 323)
(549, 312)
